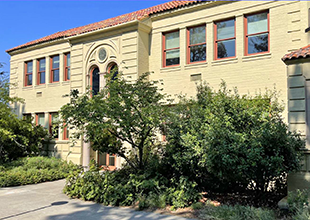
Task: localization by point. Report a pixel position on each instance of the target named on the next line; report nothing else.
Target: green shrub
(224, 212)
(120, 188)
(32, 170)
(224, 139)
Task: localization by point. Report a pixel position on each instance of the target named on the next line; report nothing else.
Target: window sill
(169, 69)
(59, 141)
(224, 61)
(53, 84)
(195, 65)
(40, 86)
(256, 57)
(65, 83)
(27, 87)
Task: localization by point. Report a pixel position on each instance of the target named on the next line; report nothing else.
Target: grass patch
(237, 212)
(32, 170)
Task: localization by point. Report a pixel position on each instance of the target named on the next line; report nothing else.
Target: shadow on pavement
(34, 210)
(97, 211)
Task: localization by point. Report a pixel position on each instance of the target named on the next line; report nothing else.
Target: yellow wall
(137, 48)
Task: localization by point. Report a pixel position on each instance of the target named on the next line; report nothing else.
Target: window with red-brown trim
(171, 49)
(257, 33)
(40, 119)
(94, 80)
(196, 44)
(65, 132)
(225, 39)
(67, 64)
(113, 68)
(53, 126)
(108, 161)
(28, 73)
(54, 69)
(41, 71)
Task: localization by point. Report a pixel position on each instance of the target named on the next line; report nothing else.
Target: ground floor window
(107, 160)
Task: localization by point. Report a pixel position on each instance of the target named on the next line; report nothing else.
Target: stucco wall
(137, 48)
(251, 74)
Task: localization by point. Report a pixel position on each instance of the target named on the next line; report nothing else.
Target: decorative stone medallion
(102, 54)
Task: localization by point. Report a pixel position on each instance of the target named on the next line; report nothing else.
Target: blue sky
(24, 21)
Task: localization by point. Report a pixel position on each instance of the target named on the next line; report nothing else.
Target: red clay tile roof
(301, 53)
(137, 15)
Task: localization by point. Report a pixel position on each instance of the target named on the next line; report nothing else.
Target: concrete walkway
(46, 201)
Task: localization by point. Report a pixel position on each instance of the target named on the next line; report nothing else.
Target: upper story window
(67, 66)
(28, 73)
(113, 68)
(171, 49)
(196, 44)
(54, 74)
(41, 71)
(225, 39)
(94, 80)
(257, 33)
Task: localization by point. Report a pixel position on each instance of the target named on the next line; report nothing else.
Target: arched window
(94, 80)
(113, 68)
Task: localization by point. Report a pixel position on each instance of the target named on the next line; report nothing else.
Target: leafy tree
(123, 118)
(18, 137)
(239, 140)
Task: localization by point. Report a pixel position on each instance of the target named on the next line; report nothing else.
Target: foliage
(18, 137)
(241, 141)
(121, 188)
(298, 200)
(32, 170)
(224, 212)
(121, 119)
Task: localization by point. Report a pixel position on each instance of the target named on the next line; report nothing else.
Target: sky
(24, 21)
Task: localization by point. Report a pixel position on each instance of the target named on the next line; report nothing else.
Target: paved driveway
(46, 201)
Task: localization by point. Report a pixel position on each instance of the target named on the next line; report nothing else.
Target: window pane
(225, 29)
(114, 71)
(68, 59)
(102, 159)
(42, 77)
(172, 57)
(95, 81)
(172, 40)
(55, 75)
(42, 65)
(29, 67)
(198, 53)
(111, 160)
(258, 43)
(226, 49)
(55, 64)
(68, 73)
(41, 120)
(197, 35)
(257, 23)
(55, 126)
(29, 80)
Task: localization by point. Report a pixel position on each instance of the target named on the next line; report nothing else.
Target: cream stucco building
(182, 42)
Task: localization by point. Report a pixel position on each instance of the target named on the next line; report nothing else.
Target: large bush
(241, 141)
(124, 188)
